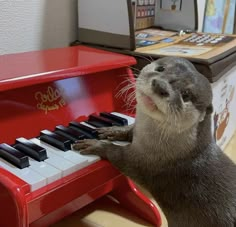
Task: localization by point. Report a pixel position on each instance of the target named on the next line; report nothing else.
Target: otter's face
(171, 91)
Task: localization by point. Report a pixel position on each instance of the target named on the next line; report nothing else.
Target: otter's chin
(148, 102)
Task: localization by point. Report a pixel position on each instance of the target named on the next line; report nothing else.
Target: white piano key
(86, 124)
(58, 162)
(130, 120)
(46, 170)
(79, 160)
(92, 158)
(31, 177)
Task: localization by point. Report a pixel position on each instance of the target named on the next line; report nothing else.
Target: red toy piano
(48, 100)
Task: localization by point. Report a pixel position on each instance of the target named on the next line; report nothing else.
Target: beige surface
(105, 213)
(216, 50)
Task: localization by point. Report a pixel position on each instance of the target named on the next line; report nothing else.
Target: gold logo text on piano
(50, 100)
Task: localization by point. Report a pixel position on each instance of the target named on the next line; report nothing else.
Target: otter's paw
(113, 133)
(91, 147)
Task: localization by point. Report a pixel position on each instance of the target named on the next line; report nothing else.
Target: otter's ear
(209, 109)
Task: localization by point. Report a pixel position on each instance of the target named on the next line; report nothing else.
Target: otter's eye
(186, 96)
(160, 69)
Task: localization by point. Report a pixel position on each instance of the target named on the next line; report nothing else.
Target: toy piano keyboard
(49, 99)
(45, 159)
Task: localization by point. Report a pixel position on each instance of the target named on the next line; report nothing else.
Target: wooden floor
(105, 213)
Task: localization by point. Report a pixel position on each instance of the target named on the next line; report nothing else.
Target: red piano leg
(131, 198)
(13, 208)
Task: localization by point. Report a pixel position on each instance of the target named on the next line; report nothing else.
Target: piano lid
(36, 67)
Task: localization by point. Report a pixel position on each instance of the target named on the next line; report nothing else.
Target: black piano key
(68, 136)
(120, 120)
(96, 124)
(98, 121)
(87, 131)
(55, 140)
(14, 156)
(86, 135)
(71, 131)
(31, 149)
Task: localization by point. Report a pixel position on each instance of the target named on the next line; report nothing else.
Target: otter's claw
(91, 147)
(113, 133)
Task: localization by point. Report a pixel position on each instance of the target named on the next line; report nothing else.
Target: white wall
(27, 25)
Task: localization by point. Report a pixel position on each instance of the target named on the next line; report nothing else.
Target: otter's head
(171, 91)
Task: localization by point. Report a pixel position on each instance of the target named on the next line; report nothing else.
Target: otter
(172, 152)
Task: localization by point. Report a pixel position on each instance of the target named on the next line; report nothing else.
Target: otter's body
(172, 152)
(196, 190)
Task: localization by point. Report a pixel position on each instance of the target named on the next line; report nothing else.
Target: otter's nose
(160, 88)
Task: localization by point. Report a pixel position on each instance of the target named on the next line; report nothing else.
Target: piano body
(39, 91)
